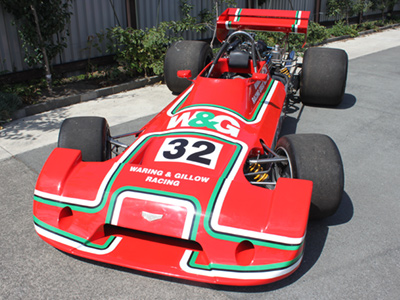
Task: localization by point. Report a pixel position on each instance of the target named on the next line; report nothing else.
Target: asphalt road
(351, 255)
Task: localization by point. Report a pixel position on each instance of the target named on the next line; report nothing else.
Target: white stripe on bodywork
(235, 274)
(236, 15)
(225, 111)
(77, 201)
(298, 22)
(79, 246)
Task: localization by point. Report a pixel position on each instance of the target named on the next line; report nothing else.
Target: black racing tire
(316, 157)
(88, 134)
(185, 55)
(323, 76)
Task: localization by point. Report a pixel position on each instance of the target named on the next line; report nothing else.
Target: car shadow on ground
(295, 110)
(348, 102)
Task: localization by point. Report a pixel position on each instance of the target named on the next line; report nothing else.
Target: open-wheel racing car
(208, 191)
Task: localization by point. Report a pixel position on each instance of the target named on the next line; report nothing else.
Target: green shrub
(8, 104)
(271, 38)
(138, 51)
(143, 51)
(155, 44)
(341, 29)
(367, 26)
(27, 92)
(316, 33)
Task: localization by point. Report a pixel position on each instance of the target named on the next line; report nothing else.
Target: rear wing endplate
(287, 21)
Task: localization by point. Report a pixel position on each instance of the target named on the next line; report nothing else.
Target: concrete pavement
(369, 43)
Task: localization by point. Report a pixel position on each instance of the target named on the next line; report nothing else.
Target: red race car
(207, 191)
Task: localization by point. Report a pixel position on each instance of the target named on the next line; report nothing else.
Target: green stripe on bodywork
(252, 268)
(229, 237)
(89, 210)
(238, 15)
(253, 117)
(92, 210)
(180, 104)
(295, 21)
(73, 237)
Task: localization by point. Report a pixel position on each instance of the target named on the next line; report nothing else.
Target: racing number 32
(190, 150)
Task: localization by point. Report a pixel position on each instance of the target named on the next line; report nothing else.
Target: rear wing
(286, 21)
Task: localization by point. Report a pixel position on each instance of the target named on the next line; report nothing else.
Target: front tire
(88, 134)
(316, 157)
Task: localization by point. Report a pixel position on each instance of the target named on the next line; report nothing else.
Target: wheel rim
(282, 169)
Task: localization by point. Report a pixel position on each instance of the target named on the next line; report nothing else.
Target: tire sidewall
(323, 76)
(89, 135)
(185, 55)
(315, 157)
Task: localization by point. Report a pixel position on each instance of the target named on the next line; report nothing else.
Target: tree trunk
(46, 61)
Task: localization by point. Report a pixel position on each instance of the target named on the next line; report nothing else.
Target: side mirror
(260, 77)
(184, 74)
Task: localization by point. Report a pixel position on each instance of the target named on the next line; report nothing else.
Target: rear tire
(323, 77)
(88, 134)
(316, 157)
(185, 55)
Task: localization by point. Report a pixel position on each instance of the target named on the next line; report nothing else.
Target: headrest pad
(239, 59)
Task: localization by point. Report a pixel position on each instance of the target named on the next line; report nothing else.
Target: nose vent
(151, 237)
(65, 218)
(245, 253)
